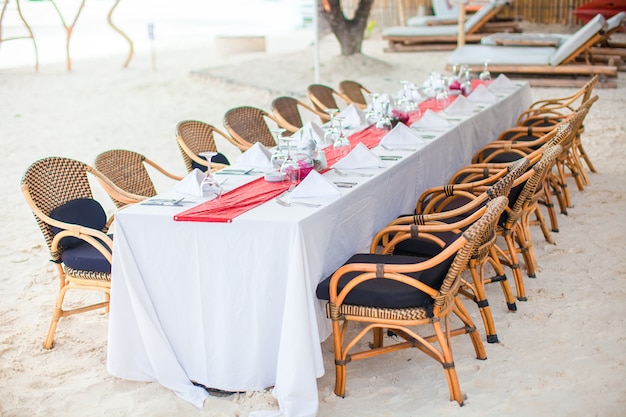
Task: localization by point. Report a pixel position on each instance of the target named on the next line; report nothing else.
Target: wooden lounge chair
(74, 226)
(553, 66)
(600, 52)
(128, 170)
(400, 293)
(443, 37)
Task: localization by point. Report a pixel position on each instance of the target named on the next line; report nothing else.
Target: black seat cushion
(86, 212)
(425, 248)
(86, 258)
(219, 158)
(387, 293)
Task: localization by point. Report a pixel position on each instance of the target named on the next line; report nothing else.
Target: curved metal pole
(118, 30)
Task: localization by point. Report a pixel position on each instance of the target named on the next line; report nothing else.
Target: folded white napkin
(414, 94)
(315, 185)
(258, 156)
(502, 82)
(431, 120)
(481, 94)
(190, 184)
(461, 106)
(310, 130)
(353, 117)
(402, 135)
(360, 157)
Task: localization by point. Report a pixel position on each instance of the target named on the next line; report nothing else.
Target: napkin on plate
(190, 184)
(315, 185)
(360, 157)
(481, 94)
(258, 156)
(353, 117)
(502, 82)
(461, 106)
(431, 120)
(402, 135)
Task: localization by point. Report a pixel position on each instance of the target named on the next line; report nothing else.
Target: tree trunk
(349, 32)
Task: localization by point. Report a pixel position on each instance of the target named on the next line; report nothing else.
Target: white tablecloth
(232, 305)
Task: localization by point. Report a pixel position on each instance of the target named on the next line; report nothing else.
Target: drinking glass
(331, 132)
(290, 167)
(210, 186)
(278, 156)
(341, 143)
(384, 122)
(372, 114)
(485, 75)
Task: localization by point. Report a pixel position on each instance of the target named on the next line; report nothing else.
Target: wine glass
(485, 75)
(341, 143)
(372, 115)
(406, 102)
(210, 186)
(278, 156)
(385, 119)
(331, 132)
(290, 167)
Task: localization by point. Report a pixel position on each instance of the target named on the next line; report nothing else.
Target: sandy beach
(560, 354)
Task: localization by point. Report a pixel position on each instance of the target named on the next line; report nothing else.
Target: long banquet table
(232, 306)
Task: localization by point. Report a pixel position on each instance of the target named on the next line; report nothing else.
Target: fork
(387, 148)
(293, 203)
(351, 174)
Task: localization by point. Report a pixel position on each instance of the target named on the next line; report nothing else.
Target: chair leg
(340, 363)
(462, 313)
(483, 304)
(508, 257)
(500, 277)
(584, 156)
(448, 362)
(56, 316)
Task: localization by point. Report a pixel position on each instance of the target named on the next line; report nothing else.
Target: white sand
(561, 354)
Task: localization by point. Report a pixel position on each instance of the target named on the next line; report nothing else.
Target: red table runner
(235, 202)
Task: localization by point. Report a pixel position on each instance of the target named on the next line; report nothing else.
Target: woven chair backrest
(353, 91)
(197, 136)
(322, 97)
(52, 182)
(248, 124)
(481, 233)
(127, 170)
(287, 108)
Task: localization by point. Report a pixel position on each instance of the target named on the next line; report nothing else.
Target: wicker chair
(354, 92)
(194, 137)
(127, 169)
(248, 125)
(288, 113)
(323, 97)
(74, 227)
(399, 293)
(547, 110)
(398, 237)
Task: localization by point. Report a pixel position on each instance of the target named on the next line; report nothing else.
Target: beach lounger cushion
(584, 34)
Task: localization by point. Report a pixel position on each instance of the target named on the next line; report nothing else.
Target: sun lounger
(543, 61)
(602, 51)
(446, 12)
(442, 37)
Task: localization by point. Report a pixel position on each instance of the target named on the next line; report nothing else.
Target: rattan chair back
(194, 137)
(288, 112)
(323, 97)
(248, 125)
(354, 92)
